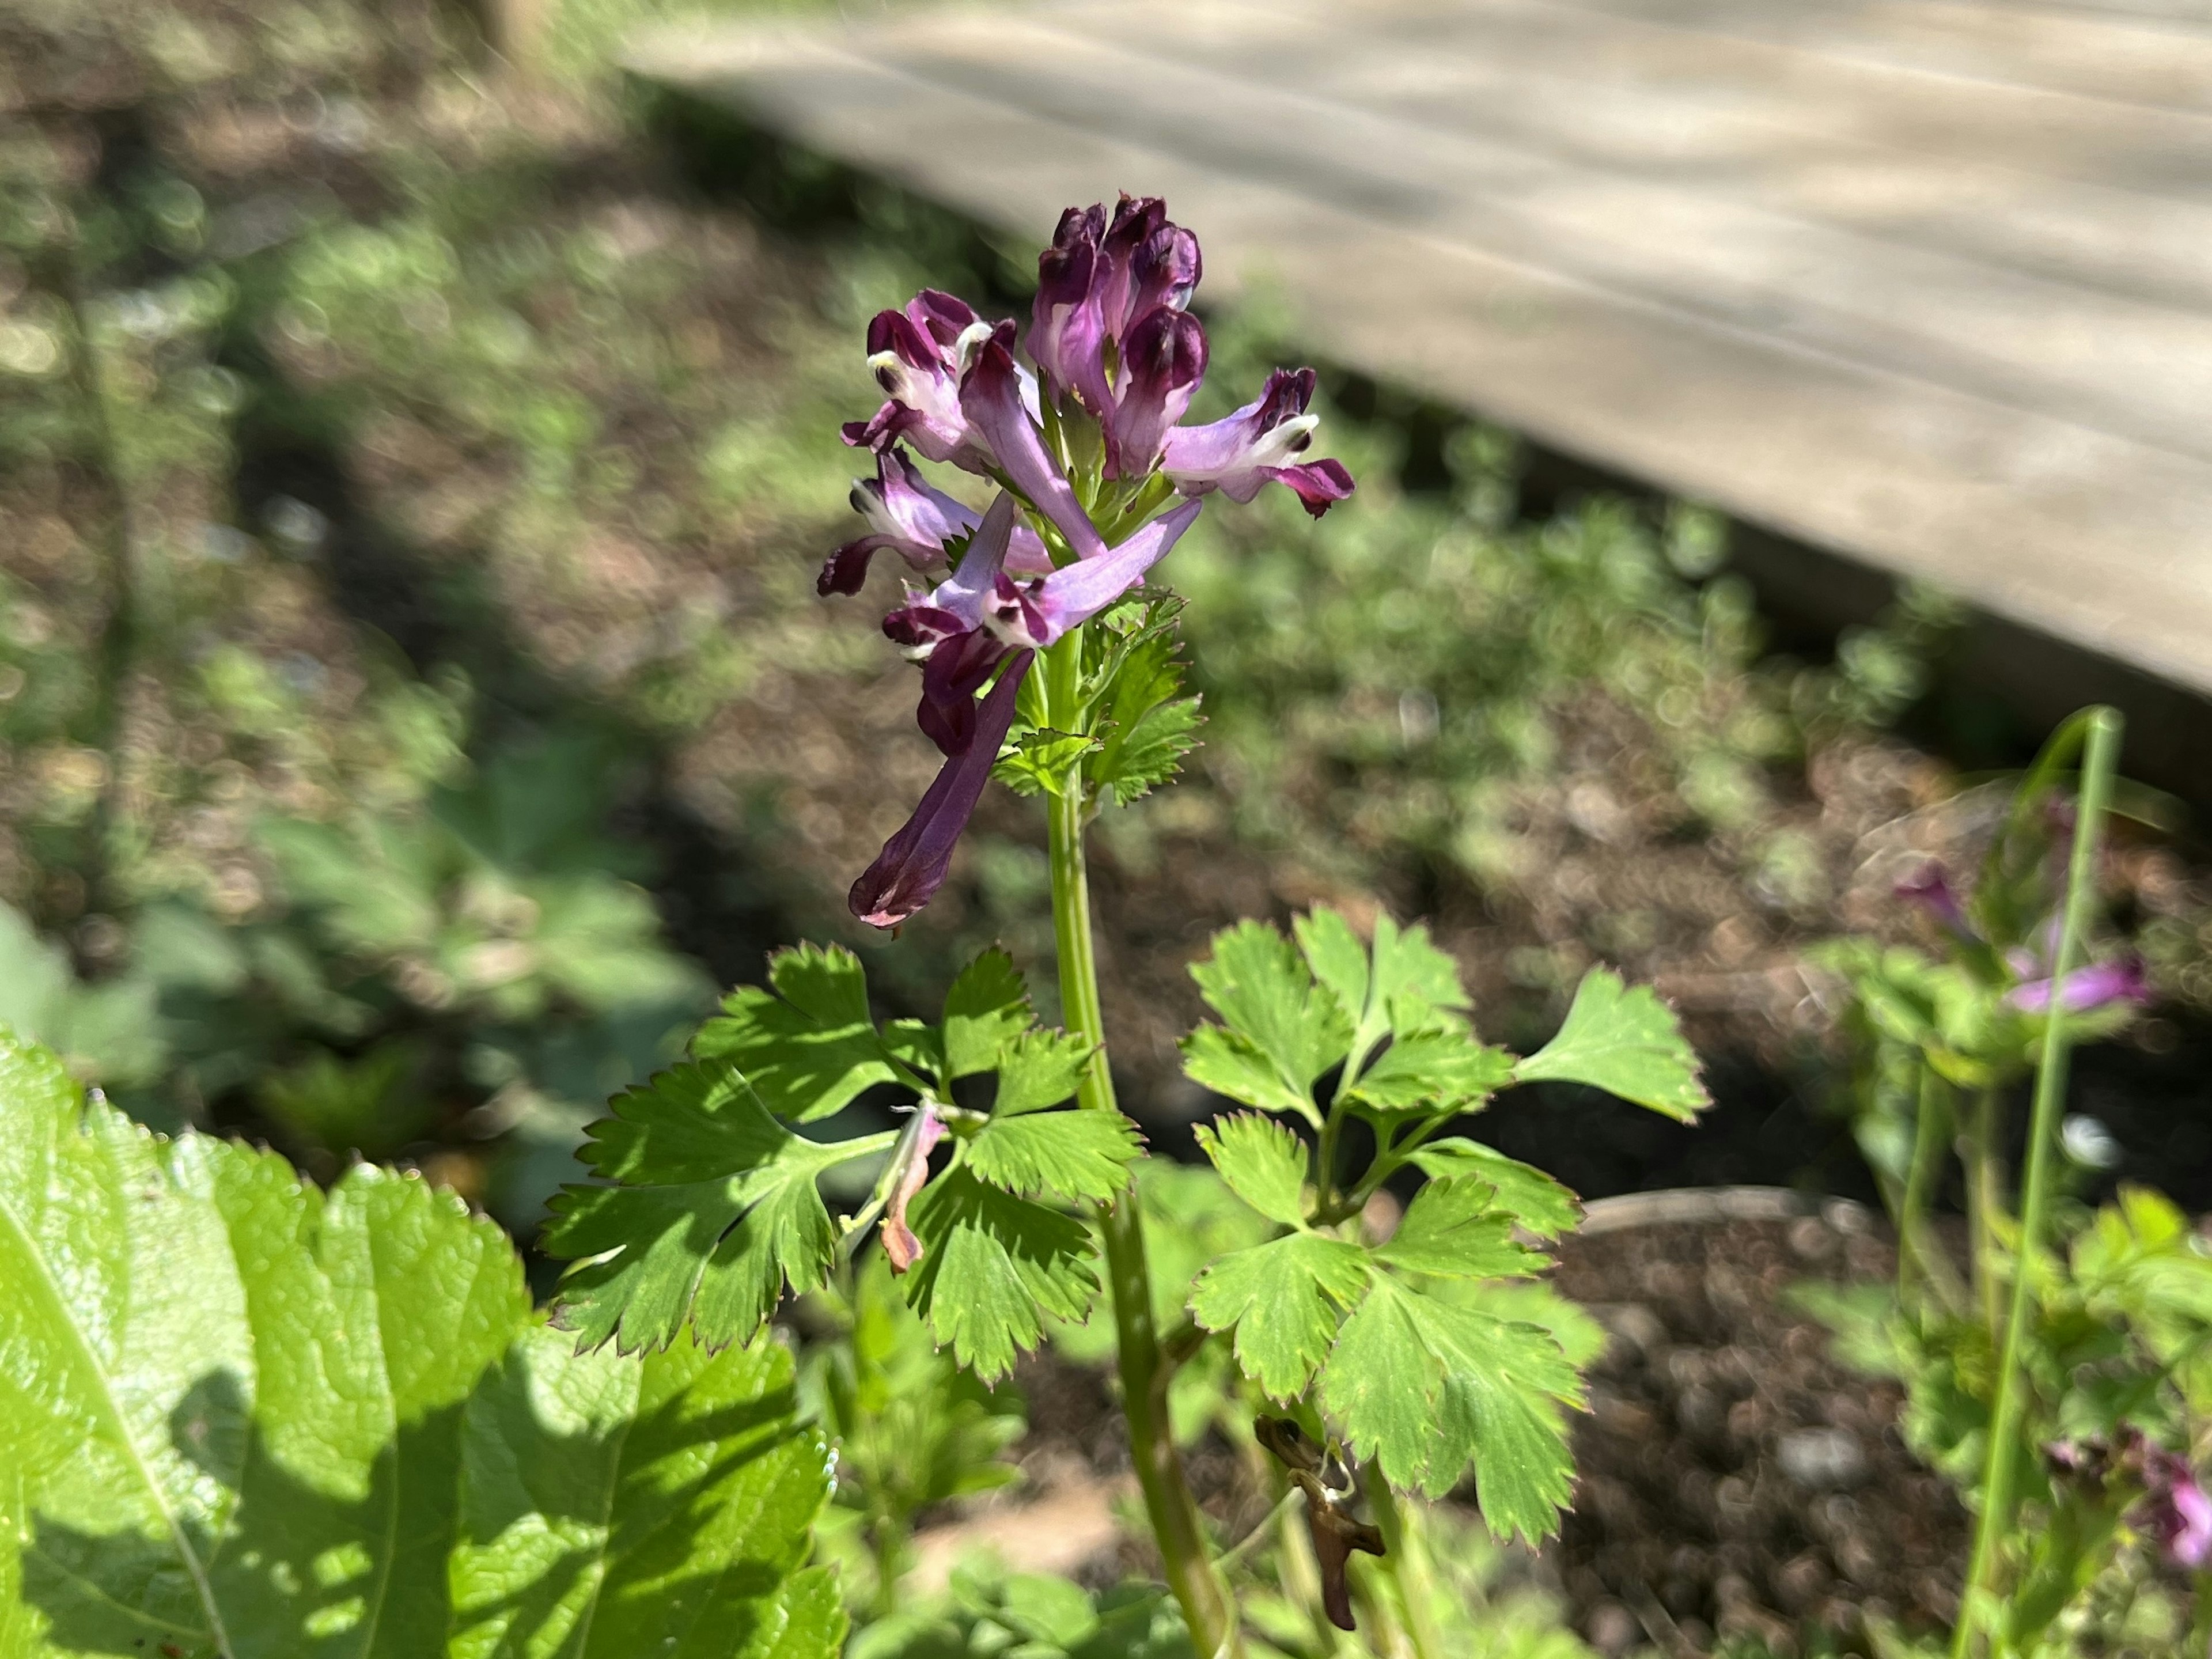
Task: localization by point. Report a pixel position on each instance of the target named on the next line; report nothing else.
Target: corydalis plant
(1097, 481)
(1046, 662)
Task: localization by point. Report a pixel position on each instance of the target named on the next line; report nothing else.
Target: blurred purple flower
(909, 516)
(2098, 985)
(1930, 887)
(2174, 1509)
(910, 869)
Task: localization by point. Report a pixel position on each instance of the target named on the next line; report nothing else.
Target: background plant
(2058, 1383)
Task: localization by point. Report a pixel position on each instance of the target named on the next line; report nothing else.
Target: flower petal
(2097, 986)
(1319, 484)
(991, 398)
(914, 1147)
(1163, 362)
(956, 669)
(912, 866)
(1076, 592)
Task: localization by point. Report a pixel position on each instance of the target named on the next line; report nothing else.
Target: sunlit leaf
(242, 1417)
(1626, 1041)
(1263, 1161)
(1427, 1389)
(1454, 1228)
(990, 1262)
(808, 1046)
(1283, 1300)
(1535, 1200)
(712, 1212)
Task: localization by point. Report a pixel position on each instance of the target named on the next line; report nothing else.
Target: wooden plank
(2163, 63)
(2143, 370)
(2096, 536)
(1748, 143)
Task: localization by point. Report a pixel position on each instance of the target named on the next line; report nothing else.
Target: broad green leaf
(1081, 1153)
(712, 1213)
(1424, 1388)
(1625, 1041)
(611, 1507)
(1430, 1071)
(990, 1262)
(241, 1417)
(1403, 985)
(808, 1047)
(1264, 1163)
(1218, 1059)
(1037, 760)
(1041, 1069)
(1284, 1299)
(988, 1007)
(1260, 985)
(1536, 1201)
(1454, 1228)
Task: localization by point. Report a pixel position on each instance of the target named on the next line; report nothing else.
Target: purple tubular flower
(1258, 445)
(917, 356)
(991, 400)
(979, 612)
(1063, 321)
(1930, 887)
(912, 866)
(1162, 362)
(1035, 614)
(2098, 985)
(908, 516)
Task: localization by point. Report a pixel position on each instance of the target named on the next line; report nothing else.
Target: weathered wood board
(1927, 283)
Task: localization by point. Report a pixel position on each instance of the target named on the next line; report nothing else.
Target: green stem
(1407, 1565)
(1206, 1607)
(1919, 1257)
(1984, 1200)
(2100, 760)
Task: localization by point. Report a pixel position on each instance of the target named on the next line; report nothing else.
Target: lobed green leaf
(1263, 1161)
(1454, 1228)
(1283, 1029)
(713, 1213)
(1626, 1041)
(988, 1007)
(1426, 1389)
(990, 1262)
(808, 1046)
(1283, 1300)
(1536, 1202)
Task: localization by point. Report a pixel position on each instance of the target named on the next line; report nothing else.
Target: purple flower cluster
(2084, 989)
(1088, 453)
(2173, 1510)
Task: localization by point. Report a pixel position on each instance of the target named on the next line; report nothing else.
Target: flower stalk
(2100, 738)
(1144, 1370)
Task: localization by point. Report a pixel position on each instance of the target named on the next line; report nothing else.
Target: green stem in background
(1144, 1372)
(1406, 1564)
(1920, 1256)
(2100, 760)
(1985, 1199)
